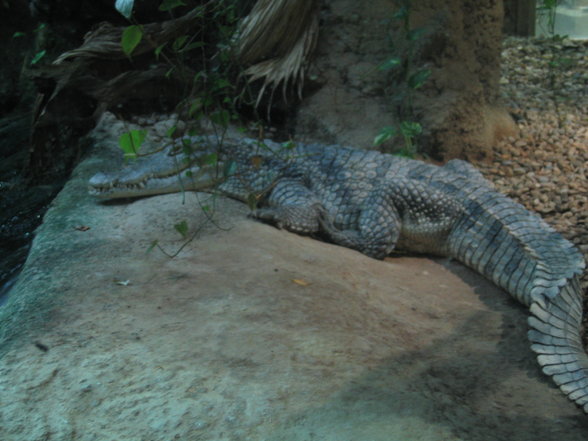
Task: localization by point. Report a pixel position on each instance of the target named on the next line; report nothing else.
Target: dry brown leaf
(301, 282)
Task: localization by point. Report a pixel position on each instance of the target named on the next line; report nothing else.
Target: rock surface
(255, 333)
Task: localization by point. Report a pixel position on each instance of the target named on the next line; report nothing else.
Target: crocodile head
(239, 167)
(174, 168)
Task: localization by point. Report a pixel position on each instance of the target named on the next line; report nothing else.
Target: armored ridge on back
(374, 203)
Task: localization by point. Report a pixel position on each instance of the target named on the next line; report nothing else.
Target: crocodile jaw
(130, 184)
(104, 187)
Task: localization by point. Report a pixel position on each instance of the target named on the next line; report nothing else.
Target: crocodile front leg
(377, 230)
(292, 206)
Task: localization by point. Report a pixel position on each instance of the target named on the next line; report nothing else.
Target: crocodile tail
(555, 336)
(522, 254)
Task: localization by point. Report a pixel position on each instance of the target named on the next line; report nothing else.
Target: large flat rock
(252, 333)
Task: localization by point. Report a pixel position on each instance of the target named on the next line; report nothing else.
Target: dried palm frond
(277, 40)
(105, 41)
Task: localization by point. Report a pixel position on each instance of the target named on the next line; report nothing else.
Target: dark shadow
(472, 393)
(465, 393)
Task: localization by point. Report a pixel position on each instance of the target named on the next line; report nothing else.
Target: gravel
(545, 86)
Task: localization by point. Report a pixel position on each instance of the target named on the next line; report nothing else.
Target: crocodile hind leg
(291, 205)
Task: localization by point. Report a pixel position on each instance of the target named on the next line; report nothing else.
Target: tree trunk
(459, 104)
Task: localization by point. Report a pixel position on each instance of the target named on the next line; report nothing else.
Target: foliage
(408, 79)
(39, 55)
(211, 93)
(546, 11)
(408, 130)
(131, 141)
(131, 38)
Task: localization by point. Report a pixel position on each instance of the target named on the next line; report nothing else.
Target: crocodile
(375, 203)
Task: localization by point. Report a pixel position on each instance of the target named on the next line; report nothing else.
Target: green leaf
(195, 45)
(222, 83)
(415, 34)
(289, 145)
(152, 246)
(252, 201)
(562, 62)
(179, 42)
(125, 7)
(170, 132)
(187, 148)
(207, 101)
(221, 117)
(170, 71)
(419, 78)
(401, 14)
(182, 228)
(200, 75)
(131, 142)
(385, 134)
(547, 4)
(390, 64)
(131, 37)
(18, 34)
(410, 128)
(38, 56)
(405, 153)
(168, 5)
(195, 106)
(158, 50)
(210, 159)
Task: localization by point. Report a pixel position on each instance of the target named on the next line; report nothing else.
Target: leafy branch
(211, 94)
(409, 79)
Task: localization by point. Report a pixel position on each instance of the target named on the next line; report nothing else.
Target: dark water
(20, 214)
(22, 204)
